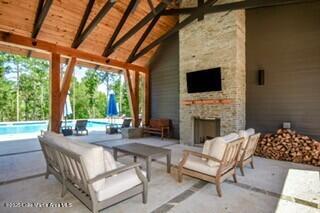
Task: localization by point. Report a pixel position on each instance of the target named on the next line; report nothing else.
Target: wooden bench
(158, 126)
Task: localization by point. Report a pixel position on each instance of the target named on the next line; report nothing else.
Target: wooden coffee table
(146, 152)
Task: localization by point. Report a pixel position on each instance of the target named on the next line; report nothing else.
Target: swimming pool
(37, 126)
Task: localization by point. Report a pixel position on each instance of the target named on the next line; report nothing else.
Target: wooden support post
(133, 102)
(146, 114)
(55, 114)
(65, 85)
(135, 85)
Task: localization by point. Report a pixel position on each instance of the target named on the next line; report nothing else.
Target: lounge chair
(248, 148)
(218, 164)
(90, 173)
(81, 126)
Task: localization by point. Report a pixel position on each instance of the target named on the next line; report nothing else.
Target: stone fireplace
(216, 41)
(204, 129)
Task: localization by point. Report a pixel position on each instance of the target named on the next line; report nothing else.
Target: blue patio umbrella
(112, 107)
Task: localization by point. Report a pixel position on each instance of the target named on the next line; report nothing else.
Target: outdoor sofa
(90, 173)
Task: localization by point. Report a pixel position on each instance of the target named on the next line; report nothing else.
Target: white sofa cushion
(196, 164)
(218, 146)
(109, 161)
(92, 155)
(117, 184)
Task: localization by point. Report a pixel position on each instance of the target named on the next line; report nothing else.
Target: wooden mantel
(206, 102)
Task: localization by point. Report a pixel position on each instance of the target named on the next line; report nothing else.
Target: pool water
(36, 127)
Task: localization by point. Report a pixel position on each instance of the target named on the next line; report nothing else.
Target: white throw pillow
(246, 134)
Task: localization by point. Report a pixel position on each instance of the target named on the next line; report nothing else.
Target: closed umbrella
(112, 109)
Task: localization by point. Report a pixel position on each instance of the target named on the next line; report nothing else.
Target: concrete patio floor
(273, 186)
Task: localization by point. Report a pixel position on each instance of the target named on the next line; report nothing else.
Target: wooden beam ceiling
(206, 8)
(196, 13)
(159, 9)
(96, 20)
(42, 12)
(120, 25)
(143, 37)
(36, 44)
(83, 22)
(246, 4)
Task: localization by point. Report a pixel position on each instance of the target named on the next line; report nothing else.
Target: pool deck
(273, 186)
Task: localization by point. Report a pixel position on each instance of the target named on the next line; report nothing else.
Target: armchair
(209, 167)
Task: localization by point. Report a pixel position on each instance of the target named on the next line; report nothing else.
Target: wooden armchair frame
(227, 167)
(248, 152)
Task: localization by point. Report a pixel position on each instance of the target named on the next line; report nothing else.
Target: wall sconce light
(260, 77)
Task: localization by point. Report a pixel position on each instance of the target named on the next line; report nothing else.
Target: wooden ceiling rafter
(42, 11)
(95, 21)
(142, 38)
(196, 13)
(83, 21)
(158, 9)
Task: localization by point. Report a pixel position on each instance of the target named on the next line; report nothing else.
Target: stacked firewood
(287, 145)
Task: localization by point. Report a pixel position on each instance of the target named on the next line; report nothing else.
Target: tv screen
(204, 80)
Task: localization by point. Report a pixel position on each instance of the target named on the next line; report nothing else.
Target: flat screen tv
(204, 80)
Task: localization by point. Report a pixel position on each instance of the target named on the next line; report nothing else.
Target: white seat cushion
(197, 164)
(117, 184)
(92, 155)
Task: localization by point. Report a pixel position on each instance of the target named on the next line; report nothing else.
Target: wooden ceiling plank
(196, 13)
(96, 20)
(36, 44)
(83, 21)
(120, 25)
(143, 37)
(160, 7)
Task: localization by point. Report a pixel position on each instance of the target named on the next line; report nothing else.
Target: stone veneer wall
(216, 41)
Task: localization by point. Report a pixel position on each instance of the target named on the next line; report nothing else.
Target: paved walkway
(274, 186)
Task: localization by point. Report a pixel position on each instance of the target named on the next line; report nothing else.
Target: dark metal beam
(200, 3)
(42, 12)
(120, 25)
(171, 32)
(158, 9)
(96, 20)
(83, 21)
(143, 37)
(247, 4)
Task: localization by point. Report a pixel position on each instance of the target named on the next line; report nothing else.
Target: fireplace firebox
(204, 129)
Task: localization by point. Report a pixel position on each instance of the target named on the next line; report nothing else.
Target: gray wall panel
(285, 42)
(165, 83)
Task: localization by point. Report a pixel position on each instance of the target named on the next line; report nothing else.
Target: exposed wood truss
(120, 25)
(83, 22)
(196, 13)
(42, 11)
(143, 37)
(206, 8)
(246, 4)
(13, 39)
(96, 20)
(65, 85)
(159, 9)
